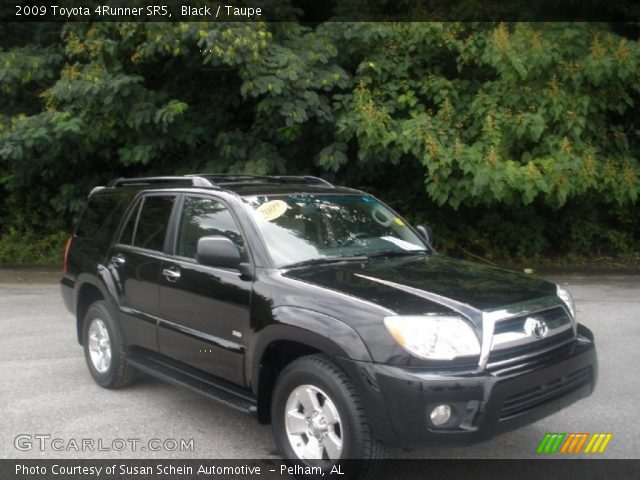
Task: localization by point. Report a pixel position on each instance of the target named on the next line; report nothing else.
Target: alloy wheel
(99, 345)
(313, 424)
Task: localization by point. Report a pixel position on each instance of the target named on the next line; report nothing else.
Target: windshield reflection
(299, 228)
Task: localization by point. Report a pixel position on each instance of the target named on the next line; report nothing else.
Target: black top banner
(314, 11)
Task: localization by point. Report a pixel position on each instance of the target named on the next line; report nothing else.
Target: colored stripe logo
(573, 443)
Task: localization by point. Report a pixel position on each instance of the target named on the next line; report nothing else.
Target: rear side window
(153, 221)
(101, 216)
(126, 237)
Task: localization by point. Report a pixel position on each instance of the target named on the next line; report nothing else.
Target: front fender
(336, 339)
(308, 327)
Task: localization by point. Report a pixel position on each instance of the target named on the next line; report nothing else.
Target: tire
(104, 348)
(316, 376)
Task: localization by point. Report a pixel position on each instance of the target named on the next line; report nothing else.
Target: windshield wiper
(359, 257)
(326, 260)
(395, 253)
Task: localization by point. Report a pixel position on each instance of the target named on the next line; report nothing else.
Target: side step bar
(209, 386)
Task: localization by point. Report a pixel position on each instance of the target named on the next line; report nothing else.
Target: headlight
(434, 338)
(566, 297)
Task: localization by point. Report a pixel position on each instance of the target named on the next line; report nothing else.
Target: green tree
(525, 130)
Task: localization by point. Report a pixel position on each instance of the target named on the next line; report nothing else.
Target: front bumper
(486, 403)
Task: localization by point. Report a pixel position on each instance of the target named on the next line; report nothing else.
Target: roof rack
(193, 180)
(218, 179)
(96, 189)
(228, 178)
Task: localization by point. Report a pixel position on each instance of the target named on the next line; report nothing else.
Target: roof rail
(319, 180)
(217, 179)
(195, 181)
(96, 189)
(222, 178)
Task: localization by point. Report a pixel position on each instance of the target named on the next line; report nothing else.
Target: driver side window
(203, 217)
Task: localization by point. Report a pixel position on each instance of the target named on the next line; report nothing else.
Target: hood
(396, 283)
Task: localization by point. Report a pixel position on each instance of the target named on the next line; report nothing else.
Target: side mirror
(217, 251)
(427, 234)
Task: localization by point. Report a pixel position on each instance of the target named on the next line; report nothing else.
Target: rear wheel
(104, 348)
(318, 418)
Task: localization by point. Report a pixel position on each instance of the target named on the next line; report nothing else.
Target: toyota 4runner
(318, 309)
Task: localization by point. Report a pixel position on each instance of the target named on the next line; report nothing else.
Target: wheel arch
(89, 290)
(296, 332)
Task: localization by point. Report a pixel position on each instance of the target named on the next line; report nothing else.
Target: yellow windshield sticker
(399, 221)
(272, 210)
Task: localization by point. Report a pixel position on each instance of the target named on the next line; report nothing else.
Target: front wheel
(318, 418)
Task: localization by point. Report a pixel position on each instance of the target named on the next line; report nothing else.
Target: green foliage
(501, 114)
(32, 248)
(527, 131)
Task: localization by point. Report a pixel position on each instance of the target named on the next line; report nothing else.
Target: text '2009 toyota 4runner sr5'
(319, 309)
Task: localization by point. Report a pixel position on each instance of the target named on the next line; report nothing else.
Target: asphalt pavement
(49, 400)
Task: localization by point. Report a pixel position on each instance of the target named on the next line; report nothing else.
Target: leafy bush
(32, 248)
(514, 140)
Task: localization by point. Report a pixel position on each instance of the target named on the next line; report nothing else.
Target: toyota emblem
(536, 327)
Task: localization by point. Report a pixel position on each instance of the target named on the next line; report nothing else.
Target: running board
(210, 387)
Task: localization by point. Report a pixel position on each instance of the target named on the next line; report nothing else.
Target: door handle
(171, 274)
(119, 260)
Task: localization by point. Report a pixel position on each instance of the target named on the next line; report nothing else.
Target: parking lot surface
(46, 389)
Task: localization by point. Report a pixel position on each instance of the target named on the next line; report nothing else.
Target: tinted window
(101, 216)
(126, 237)
(203, 217)
(152, 222)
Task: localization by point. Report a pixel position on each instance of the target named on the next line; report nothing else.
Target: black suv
(319, 309)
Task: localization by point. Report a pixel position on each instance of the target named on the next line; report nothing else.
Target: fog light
(440, 415)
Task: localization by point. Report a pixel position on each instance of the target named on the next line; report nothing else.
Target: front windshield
(306, 227)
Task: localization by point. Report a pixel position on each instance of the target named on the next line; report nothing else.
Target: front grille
(530, 349)
(511, 345)
(554, 317)
(535, 397)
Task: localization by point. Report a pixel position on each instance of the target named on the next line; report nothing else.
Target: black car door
(205, 310)
(136, 264)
